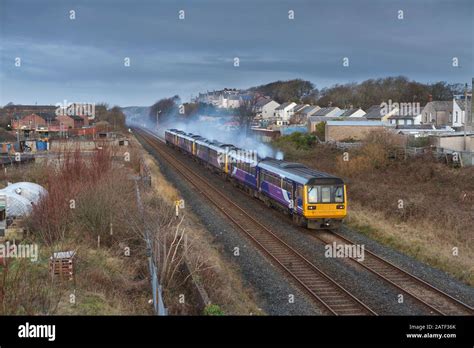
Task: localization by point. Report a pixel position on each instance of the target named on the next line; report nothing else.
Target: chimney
(430, 98)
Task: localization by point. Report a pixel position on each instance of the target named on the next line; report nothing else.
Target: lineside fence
(158, 304)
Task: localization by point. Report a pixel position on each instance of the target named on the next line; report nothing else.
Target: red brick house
(64, 122)
(80, 121)
(29, 122)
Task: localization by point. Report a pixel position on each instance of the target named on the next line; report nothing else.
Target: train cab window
(325, 194)
(313, 194)
(339, 194)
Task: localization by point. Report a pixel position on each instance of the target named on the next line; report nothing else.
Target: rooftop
(325, 111)
(355, 123)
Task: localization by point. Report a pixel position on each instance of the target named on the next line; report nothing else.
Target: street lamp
(157, 118)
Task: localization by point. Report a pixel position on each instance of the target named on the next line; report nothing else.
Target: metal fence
(462, 158)
(158, 303)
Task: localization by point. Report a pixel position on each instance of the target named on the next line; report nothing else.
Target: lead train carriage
(316, 200)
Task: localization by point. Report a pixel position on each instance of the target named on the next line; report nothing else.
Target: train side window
(261, 177)
(252, 170)
(325, 194)
(276, 181)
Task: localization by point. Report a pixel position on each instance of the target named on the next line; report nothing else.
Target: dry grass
(407, 238)
(106, 280)
(108, 283)
(220, 278)
(434, 202)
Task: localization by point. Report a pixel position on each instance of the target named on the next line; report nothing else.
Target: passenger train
(314, 199)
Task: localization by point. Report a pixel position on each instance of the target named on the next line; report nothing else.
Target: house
(265, 108)
(64, 122)
(229, 100)
(332, 111)
(406, 119)
(353, 112)
(28, 122)
(233, 102)
(298, 108)
(438, 113)
(297, 117)
(284, 112)
(459, 113)
(354, 130)
(378, 113)
(308, 111)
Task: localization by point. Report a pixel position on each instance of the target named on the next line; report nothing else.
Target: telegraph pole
(465, 116)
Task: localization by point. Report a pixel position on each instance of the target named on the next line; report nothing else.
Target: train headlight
(341, 206)
(311, 207)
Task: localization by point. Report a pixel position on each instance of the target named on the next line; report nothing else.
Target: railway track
(436, 300)
(321, 288)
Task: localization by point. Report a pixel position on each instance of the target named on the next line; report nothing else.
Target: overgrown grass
(221, 279)
(89, 196)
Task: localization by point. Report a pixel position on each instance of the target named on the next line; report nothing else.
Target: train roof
(299, 172)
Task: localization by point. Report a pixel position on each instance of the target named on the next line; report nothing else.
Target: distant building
(353, 112)
(355, 130)
(225, 98)
(422, 129)
(22, 110)
(459, 112)
(64, 122)
(313, 121)
(405, 120)
(265, 108)
(438, 113)
(454, 141)
(284, 112)
(328, 112)
(296, 117)
(298, 108)
(28, 122)
(377, 113)
(309, 110)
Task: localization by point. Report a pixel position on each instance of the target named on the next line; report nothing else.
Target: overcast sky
(82, 60)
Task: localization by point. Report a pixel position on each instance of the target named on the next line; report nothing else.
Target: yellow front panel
(324, 210)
